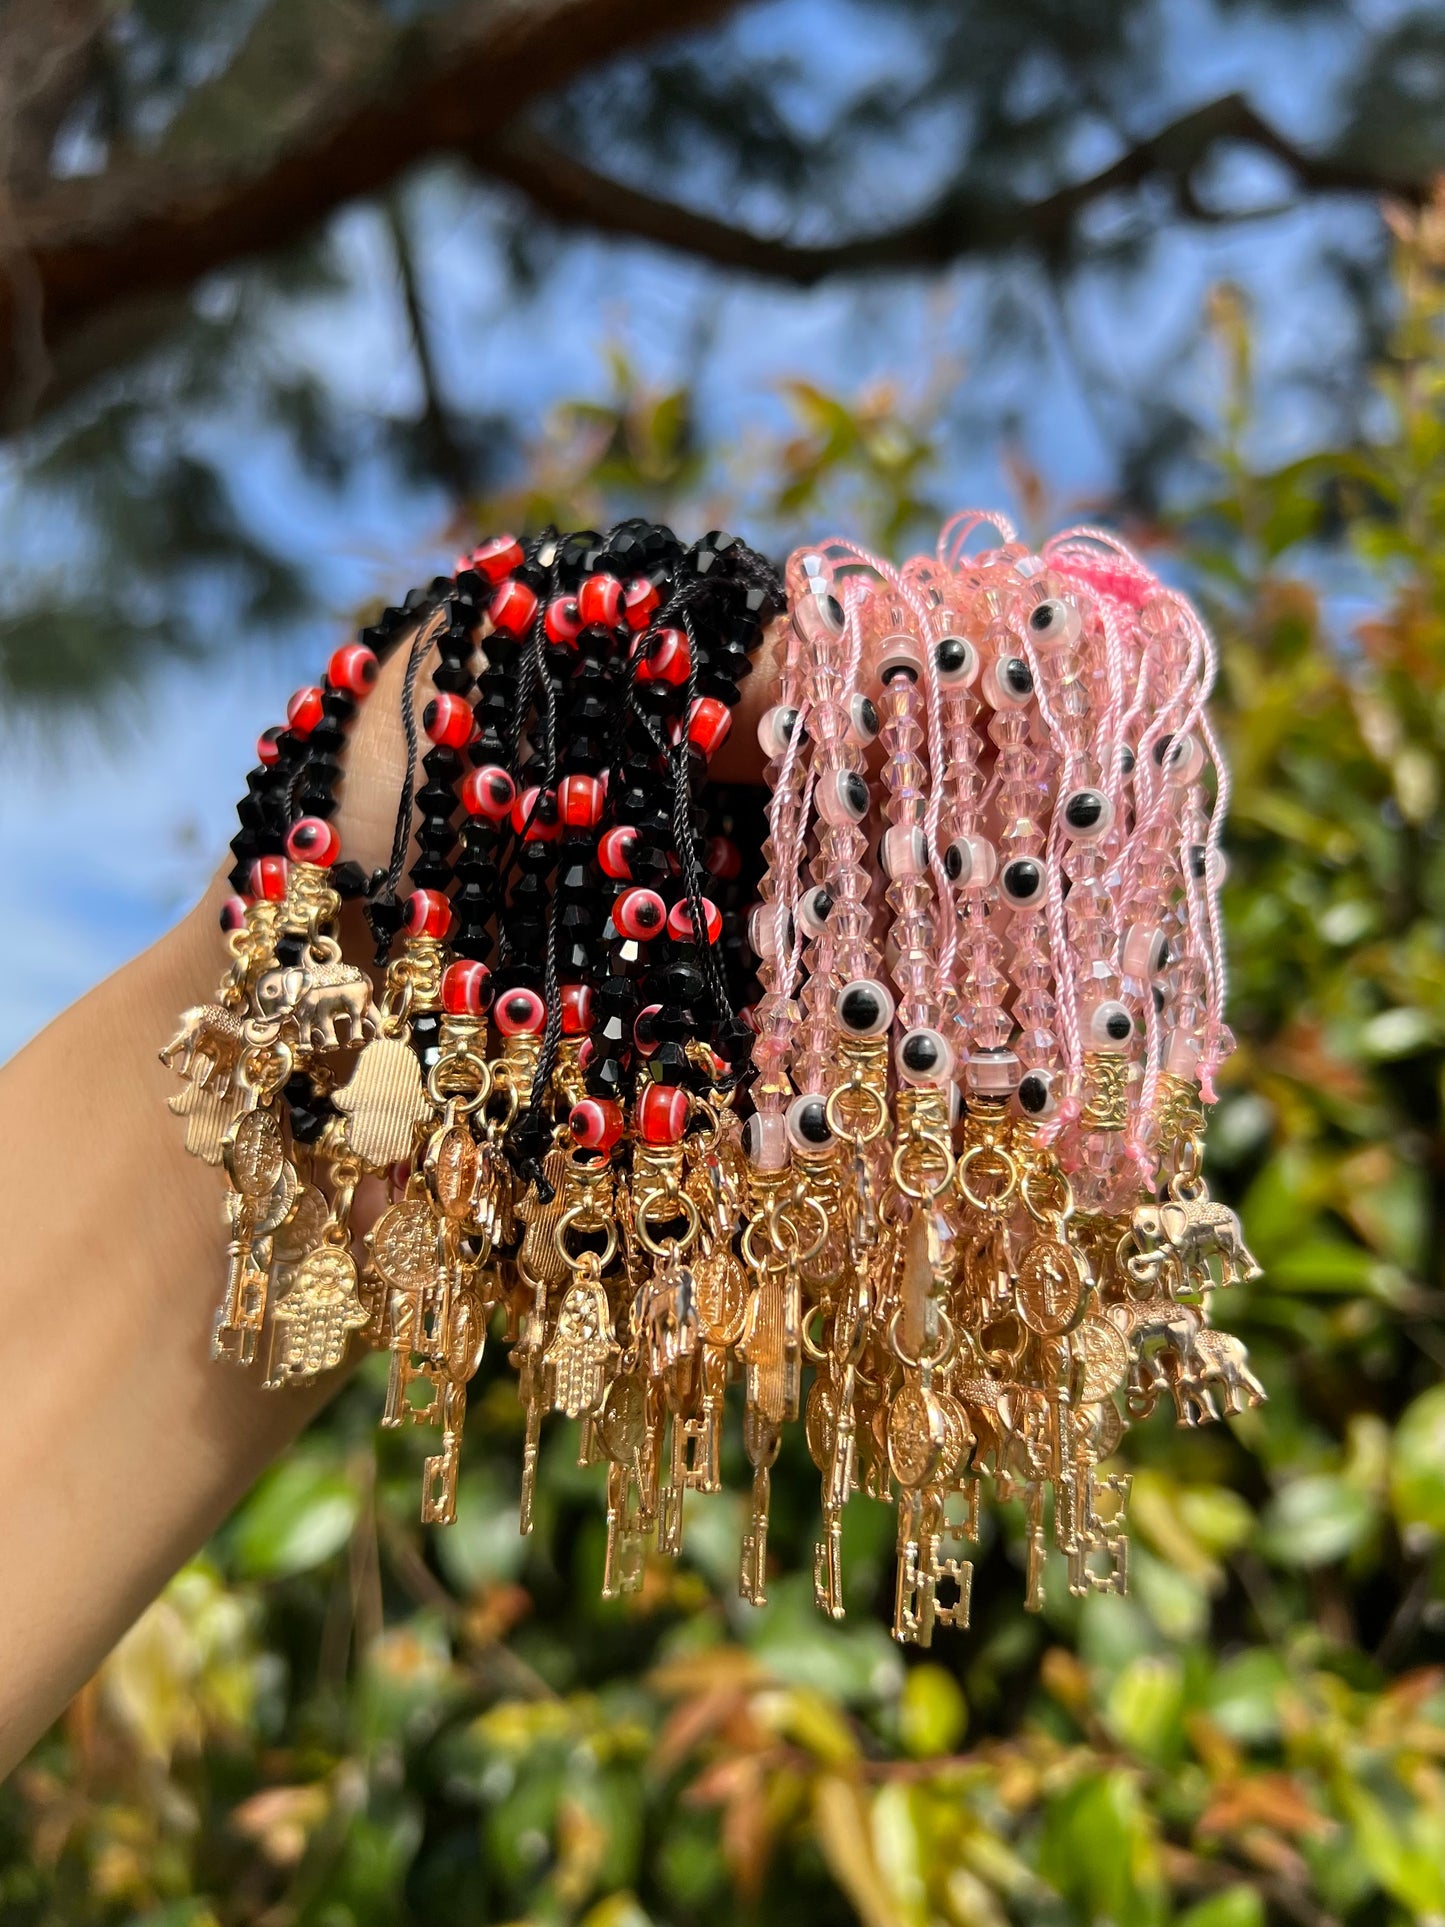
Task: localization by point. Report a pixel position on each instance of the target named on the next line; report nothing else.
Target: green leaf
(1417, 1469)
(932, 1712)
(300, 1513)
(1316, 1520)
(1235, 1907)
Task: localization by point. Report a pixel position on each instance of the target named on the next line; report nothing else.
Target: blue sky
(109, 829)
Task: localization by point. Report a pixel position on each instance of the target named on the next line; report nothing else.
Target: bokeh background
(295, 294)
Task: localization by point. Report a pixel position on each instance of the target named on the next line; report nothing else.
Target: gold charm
(318, 1315)
(383, 1103)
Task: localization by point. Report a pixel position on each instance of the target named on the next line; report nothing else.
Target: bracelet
(882, 1090)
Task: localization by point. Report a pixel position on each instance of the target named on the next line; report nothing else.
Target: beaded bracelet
(970, 1206)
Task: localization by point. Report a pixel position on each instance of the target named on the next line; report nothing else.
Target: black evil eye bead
(1008, 683)
(1127, 760)
(1036, 1094)
(777, 727)
(1022, 881)
(843, 797)
(770, 930)
(1180, 757)
(1054, 623)
(899, 656)
(924, 1057)
(808, 1122)
(865, 1007)
(640, 914)
(956, 661)
(1088, 814)
(814, 910)
(862, 719)
(1110, 1026)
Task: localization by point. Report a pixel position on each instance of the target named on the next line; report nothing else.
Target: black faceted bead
(429, 873)
(348, 880)
(735, 1040)
(453, 676)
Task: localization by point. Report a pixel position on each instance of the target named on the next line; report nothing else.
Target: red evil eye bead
(614, 853)
(520, 1012)
(311, 839)
(447, 720)
(595, 1123)
(233, 914)
(304, 711)
(666, 657)
(268, 878)
(600, 601)
(644, 1035)
(466, 988)
(580, 800)
(680, 925)
(513, 608)
(721, 857)
(563, 620)
(640, 600)
(488, 791)
(354, 668)
(662, 1114)
(428, 914)
(640, 914)
(496, 558)
(268, 746)
(576, 1010)
(534, 816)
(708, 722)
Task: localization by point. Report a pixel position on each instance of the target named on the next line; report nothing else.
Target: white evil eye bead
(903, 852)
(862, 719)
(1180, 757)
(1088, 814)
(899, 656)
(1110, 1025)
(770, 930)
(993, 1073)
(958, 860)
(817, 612)
(924, 1057)
(1008, 683)
(1145, 952)
(1022, 881)
(776, 728)
(956, 661)
(1127, 759)
(808, 1122)
(864, 1007)
(815, 909)
(765, 1140)
(1055, 623)
(1036, 1094)
(843, 797)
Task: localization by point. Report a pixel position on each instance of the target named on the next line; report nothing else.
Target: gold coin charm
(383, 1103)
(1102, 1359)
(820, 1418)
(254, 1152)
(404, 1244)
(1049, 1288)
(453, 1169)
(302, 1229)
(917, 1436)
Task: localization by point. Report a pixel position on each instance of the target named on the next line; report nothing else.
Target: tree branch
(152, 225)
(959, 224)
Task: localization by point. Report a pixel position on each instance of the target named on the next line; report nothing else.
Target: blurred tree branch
(960, 222)
(349, 108)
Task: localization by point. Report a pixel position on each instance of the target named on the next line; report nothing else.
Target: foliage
(332, 1718)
